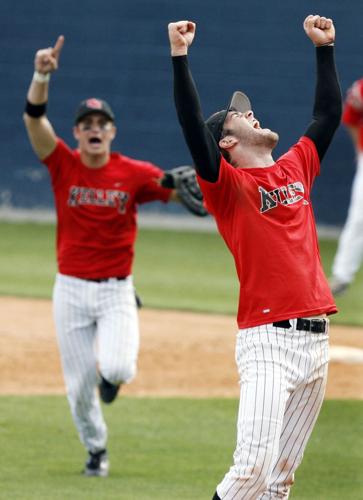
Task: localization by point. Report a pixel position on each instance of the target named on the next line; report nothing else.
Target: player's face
(95, 134)
(247, 128)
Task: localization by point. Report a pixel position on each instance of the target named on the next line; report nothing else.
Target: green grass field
(173, 269)
(164, 449)
(160, 449)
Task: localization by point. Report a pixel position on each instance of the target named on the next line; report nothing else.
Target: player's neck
(246, 158)
(94, 160)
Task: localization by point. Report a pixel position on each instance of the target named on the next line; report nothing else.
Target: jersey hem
(94, 276)
(287, 316)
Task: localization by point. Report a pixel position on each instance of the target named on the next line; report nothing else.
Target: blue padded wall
(119, 50)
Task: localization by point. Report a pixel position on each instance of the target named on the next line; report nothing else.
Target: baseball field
(172, 430)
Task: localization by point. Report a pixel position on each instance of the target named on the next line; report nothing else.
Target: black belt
(102, 280)
(317, 325)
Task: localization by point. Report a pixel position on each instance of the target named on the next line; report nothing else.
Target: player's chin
(95, 147)
(271, 137)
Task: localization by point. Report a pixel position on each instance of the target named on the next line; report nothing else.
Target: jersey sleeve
(353, 106)
(304, 157)
(219, 195)
(352, 117)
(149, 188)
(58, 161)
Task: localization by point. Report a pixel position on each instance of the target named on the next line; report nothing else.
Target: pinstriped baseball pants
(283, 376)
(97, 332)
(350, 247)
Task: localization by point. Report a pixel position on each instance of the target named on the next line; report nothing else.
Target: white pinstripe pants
(97, 331)
(283, 377)
(350, 247)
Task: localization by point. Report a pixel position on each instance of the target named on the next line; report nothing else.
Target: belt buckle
(318, 325)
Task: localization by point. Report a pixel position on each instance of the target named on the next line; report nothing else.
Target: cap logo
(94, 103)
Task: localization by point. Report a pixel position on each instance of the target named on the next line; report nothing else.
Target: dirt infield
(182, 354)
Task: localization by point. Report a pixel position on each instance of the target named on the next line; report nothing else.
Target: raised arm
(202, 146)
(328, 101)
(40, 131)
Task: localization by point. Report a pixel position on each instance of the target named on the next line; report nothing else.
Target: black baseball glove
(183, 179)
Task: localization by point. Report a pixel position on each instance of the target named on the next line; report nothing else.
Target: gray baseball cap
(93, 105)
(239, 102)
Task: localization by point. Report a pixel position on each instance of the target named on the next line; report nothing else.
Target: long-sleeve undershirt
(202, 145)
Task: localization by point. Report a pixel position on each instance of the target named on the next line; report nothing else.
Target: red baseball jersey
(266, 219)
(353, 109)
(97, 211)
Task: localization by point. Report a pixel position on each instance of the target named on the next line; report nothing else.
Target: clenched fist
(320, 30)
(181, 35)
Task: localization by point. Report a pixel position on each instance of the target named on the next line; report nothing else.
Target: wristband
(41, 77)
(35, 110)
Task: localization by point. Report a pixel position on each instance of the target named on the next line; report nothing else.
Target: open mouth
(94, 140)
(256, 124)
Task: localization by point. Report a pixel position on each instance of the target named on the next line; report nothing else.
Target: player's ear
(76, 132)
(113, 132)
(228, 142)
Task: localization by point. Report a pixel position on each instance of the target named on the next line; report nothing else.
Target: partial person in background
(264, 213)
(350, 246)
(96, 194)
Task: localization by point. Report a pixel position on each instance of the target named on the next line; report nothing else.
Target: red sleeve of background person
(266, 219)
(353, 109)
(97, 211)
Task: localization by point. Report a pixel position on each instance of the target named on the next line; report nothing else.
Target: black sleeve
(201, 143)
(328, 101)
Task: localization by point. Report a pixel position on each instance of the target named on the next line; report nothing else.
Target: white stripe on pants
(97, 330)
(283, 377)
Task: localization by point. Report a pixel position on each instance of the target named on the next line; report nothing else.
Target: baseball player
(350, 246)
(96, 195)
(263, 211)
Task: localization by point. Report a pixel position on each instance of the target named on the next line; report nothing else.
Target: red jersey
(353, 109)
(97, 211)
(266, 219)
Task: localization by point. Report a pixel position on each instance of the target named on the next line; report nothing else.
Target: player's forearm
(38, 91)
(40, 132)
(328, 101)
(202, 146)
(36, 105)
